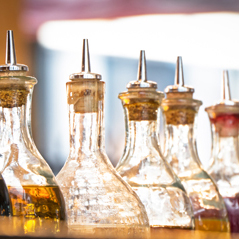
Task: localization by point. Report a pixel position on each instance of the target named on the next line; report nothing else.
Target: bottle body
(208, 206)
(33, 190)
(96, 197)
(224, 167)
(209, 209)
(144, 168)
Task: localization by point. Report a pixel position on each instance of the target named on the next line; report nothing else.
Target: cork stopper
(179, 107)
(224, 115)
(14, 84)
(142, 100)
(179, 90)
(86, 88)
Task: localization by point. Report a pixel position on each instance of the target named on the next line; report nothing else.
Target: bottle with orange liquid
(180, 110)
(37, 202)
(224, 166)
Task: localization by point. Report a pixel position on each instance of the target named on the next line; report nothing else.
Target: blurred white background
(207, 43)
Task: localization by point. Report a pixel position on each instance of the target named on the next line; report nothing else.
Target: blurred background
(48, 38)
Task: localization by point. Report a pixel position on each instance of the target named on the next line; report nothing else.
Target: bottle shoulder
(226, 178)
(24, 168)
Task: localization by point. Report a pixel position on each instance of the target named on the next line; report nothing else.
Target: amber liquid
(5, 203)
(171, 233)
(37, 207)
(232, 205)
(211, 224)
(37, 201)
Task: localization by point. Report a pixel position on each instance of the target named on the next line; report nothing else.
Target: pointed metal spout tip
(142, 81)
(85, 67)
(10, 49)
(226, 93)
(11, 60)
(179, 86)
(142, 73)
(179, 78)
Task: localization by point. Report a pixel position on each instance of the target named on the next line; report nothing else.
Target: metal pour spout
(10, 49)
(142, 81)
(179, 86)
(179, 78)
(226, 93)
(85, 67)
(11, 60)
(142, 72)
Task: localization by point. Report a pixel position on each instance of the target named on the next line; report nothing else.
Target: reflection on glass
(97, 198)
(180, 110)
(224, 167)
(34, 193)
(142, 164)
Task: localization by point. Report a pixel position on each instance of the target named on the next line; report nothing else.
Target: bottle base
(108, 231)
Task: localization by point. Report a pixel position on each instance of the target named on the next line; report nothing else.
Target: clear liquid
(165, 206)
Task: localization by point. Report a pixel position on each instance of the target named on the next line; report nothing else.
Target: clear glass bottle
(142, 164)
(97, 198)
(34, 193)
(180, 111)
(224, 166)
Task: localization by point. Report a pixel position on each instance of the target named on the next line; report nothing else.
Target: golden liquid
(37, 207)
(210, 224)
(170, 233)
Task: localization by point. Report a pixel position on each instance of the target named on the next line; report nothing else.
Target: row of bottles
(148, 188)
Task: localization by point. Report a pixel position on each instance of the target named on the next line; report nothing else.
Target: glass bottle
(97, 198)
(224, 167)
(34, 193)
(142, 164)
(180, 111)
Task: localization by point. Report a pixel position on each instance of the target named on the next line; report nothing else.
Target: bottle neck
(180, 148)
(224, 148)
(84, 132)
(15, 137)
(141, 133)
(141, 139)
(13, 125)
(86, 117)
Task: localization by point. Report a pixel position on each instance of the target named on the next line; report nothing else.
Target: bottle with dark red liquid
(224, 165)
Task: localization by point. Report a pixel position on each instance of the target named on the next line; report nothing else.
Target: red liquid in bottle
(232, 205)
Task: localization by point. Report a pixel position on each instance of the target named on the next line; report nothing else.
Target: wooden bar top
(17, 228)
